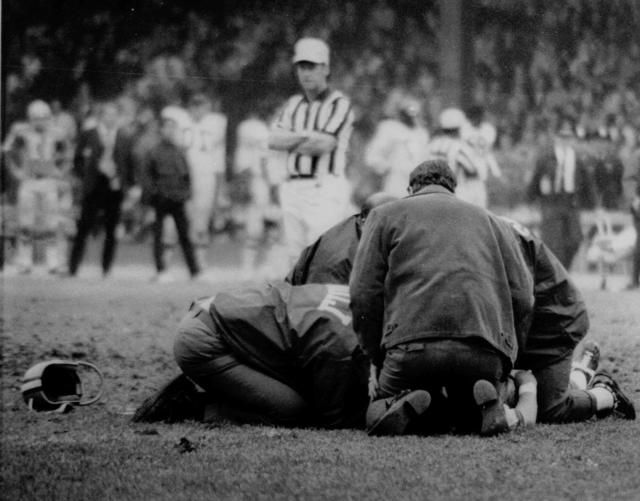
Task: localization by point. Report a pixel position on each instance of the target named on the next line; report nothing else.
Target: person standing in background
(204, 141)
(103, 165)
(65, 122)
(313, 129)
(253, 187)
(37, 155)
(561, 184)
(166, 186)
(467, 164)
(398, 144)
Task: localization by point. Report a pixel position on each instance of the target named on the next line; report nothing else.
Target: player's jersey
(394, 151)
(482, 139)
(37, 154)
(204, 142)
(330, 113)
(302, 336)
(460, 156)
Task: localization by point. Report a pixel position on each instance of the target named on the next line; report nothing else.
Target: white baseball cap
(313, 50)
(452, 118)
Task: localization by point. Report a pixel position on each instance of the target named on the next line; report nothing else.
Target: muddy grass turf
(126, 328)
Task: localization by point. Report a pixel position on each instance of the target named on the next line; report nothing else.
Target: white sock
(513, 420)
(578, 379)
(604, 398)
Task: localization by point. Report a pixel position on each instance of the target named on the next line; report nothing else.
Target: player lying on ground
(560, 322)
(278, 354)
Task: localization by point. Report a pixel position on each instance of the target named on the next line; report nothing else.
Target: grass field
(126, 327)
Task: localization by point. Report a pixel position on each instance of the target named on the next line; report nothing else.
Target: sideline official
(313, 132)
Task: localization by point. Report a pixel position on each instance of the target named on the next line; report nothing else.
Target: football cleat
(622, 405)
(398, 412)
(178, 400)
(494, 419)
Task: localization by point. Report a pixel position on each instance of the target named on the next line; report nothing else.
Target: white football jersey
(37, 153)
(394, 151)
(204, 142)
(252, 146)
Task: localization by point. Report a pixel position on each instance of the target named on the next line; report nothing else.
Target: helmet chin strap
(64, 408)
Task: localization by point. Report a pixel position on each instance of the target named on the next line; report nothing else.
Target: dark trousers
(248, 395)
(561, 231)
(105, 200)
(163, 208)
(454, 365)
(557, 401)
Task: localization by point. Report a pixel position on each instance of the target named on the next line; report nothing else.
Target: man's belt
(301, 176)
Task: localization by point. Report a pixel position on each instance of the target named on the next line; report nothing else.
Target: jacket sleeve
(300, 271)
(367, 288)
(520, 277)
(560, 318)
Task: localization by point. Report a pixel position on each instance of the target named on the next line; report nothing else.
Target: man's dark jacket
(430, 266)
(329, 260)
(89, 152)
(165, 175)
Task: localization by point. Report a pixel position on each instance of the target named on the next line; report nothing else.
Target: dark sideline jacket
(430, 266)
(89, 152)
(329, 260)
(165, 175)
(560, 318)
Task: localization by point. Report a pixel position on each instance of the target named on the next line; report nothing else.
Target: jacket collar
(432, 188)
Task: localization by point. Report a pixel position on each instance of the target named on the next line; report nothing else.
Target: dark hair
(433, 171)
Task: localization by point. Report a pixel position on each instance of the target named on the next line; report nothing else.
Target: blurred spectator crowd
(536, 65)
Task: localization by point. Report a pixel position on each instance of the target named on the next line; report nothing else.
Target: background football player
(38, 156)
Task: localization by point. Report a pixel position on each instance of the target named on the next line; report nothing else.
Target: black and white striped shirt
(330, 113)
(463, 160)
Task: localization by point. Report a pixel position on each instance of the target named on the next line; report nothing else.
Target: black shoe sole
(398, 417)
(487, 399)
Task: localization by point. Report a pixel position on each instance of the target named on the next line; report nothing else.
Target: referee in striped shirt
(312, 132)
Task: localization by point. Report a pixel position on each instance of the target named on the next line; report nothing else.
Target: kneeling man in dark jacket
(441, 298)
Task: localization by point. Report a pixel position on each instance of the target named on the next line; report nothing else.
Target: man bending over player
(277, 354)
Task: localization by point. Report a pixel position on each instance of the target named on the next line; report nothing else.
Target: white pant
(204, 194)
(38, 204)
(309, 208)
(38, 216)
